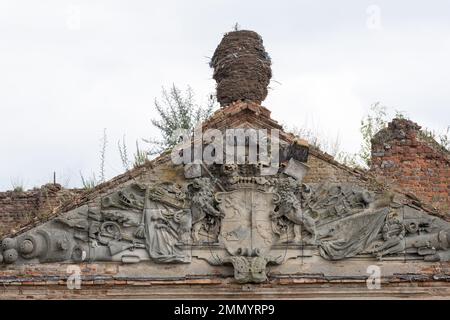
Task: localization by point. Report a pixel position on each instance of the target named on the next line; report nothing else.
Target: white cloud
(59, 87)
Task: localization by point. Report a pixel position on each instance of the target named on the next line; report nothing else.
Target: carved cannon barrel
(9, 243)
(9, 247)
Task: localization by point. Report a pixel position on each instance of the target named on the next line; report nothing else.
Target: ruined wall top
(241, 68)
(405, 156)
(405, 132)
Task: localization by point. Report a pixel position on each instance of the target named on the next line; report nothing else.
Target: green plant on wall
(177, 110)
(17, 185)
(92, 181)
(374, 121)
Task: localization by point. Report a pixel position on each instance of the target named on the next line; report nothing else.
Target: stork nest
(241, 68)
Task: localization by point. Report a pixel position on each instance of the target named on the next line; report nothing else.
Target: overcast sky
(69, 69)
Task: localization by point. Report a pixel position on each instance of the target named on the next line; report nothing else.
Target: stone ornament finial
(241, 68)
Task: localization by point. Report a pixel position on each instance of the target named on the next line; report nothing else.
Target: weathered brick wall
(21, 212)
(116, 281)
(402, 155)
(322, 168)
(20, 208)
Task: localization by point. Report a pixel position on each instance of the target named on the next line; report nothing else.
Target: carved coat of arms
(246, 224)
(246, 230)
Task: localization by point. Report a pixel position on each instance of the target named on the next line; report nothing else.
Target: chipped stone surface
(296, 169)
(192, 170)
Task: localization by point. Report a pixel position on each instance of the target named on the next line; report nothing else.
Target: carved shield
(246, 226)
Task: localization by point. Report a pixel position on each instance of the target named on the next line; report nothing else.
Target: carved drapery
(247, 223)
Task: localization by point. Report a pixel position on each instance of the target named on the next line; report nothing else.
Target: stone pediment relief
(232, 216)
